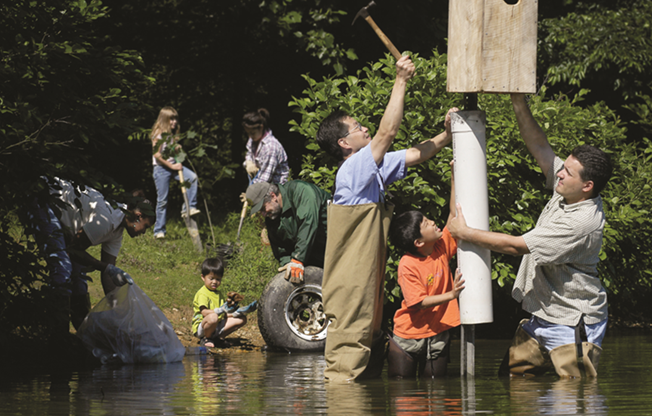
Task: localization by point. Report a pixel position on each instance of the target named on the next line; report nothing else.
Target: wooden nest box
(492, 46)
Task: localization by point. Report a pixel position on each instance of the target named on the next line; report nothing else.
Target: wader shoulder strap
(578, 347)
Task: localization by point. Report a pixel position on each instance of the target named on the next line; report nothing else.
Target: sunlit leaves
(516, 184)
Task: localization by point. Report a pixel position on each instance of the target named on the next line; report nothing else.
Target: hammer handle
(388, 43)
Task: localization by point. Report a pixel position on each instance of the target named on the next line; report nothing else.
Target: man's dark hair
(331, 130)
(597, 166)
(406, 228)
(137, 202)
(212, 265)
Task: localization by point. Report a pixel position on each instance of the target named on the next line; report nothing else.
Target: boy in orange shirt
(429, 308)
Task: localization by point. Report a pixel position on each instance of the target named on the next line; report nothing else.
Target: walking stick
(190, 223)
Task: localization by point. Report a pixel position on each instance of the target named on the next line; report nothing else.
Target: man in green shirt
(295, 216)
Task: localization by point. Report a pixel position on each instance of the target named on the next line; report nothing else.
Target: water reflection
(112, 389)
(422, 397)
(254, 382)
(561, 396)
(345, 398)
(294, 383)
(218, 383)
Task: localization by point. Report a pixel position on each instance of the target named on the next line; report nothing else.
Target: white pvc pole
(469, 152)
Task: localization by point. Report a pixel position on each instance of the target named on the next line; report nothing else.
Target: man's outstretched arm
(428, 148)
(534, 137)
(498, 242)
(391, 121)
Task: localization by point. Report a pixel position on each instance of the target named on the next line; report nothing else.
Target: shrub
(516, 185)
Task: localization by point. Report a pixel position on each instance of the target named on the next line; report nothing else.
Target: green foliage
(64, 88)
(615, 42)
(625, 259)
(365, 96)
(169, 270)
(310, 32)
(68, 96)
(253, 264)
(516, 185)
(214, 61)
(642, 108)
(77, 78)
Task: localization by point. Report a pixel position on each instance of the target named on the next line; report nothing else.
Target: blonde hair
(162, 124)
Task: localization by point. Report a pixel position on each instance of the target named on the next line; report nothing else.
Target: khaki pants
(353, 285)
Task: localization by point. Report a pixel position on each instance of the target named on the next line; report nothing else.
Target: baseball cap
(256, 195)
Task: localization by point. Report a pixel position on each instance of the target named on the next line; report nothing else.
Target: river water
(265, 383)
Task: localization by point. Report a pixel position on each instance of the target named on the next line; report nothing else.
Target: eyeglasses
(357, 127)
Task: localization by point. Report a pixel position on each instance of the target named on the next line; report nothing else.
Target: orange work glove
(293, 271)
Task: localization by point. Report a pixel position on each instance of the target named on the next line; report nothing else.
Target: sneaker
(193, 212)
(159, 235)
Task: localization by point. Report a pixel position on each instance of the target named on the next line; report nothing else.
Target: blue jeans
(66, 276)
(552, 335)
(162, 178)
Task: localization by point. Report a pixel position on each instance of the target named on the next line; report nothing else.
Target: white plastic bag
(127, 326)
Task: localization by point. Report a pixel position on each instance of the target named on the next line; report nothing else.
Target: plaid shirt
(271, 159)
(558, 281)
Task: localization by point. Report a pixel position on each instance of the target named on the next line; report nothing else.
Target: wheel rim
(304, 313)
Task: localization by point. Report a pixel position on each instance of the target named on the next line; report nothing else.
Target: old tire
(291, 317)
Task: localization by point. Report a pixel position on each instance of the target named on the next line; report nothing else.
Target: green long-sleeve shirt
(300, 231)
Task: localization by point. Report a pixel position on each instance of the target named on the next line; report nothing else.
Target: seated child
(212, 320)
(429, 308)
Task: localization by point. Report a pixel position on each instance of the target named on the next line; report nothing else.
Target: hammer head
(364, 12)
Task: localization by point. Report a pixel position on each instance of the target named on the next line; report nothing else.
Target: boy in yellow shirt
(212, 320)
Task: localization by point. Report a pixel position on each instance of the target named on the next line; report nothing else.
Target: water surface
(267, 383)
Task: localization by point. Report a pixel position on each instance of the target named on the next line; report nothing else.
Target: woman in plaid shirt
(266, 160)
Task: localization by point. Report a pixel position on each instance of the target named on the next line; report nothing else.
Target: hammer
(364, 12)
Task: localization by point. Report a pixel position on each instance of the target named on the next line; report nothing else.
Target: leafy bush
(516, 184)
(365, 96)
(67, 95)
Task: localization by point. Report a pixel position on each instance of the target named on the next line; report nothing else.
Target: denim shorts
(553, 335)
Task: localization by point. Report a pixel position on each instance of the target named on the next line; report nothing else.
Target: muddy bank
(65, 352)
(247, 337)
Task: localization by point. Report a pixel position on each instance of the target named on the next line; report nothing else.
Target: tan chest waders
(527, 357)
(353, 286)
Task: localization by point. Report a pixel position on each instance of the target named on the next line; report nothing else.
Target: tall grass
(168, 270)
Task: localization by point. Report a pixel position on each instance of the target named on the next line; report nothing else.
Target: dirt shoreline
(68, 353)
(245, 338)
(249, 337)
